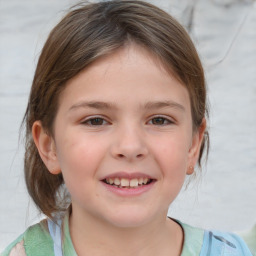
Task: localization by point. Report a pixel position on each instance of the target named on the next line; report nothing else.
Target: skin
(124, 113)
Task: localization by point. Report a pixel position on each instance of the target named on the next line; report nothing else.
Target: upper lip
(126, 175)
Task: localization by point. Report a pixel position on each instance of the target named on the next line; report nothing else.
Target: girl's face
(123, 139)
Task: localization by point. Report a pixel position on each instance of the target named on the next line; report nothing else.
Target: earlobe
(195, 147)
(46, 147)
(190, 170)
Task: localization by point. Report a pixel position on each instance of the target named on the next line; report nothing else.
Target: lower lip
(129, 191)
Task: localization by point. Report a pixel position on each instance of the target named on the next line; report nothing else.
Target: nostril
(123, 156)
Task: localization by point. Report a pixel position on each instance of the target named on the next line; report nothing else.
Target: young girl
(115, 122)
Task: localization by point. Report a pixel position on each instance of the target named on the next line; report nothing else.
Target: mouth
(127, 183)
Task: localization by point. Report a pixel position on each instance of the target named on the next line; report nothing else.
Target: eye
(97, 121)
(160, 121)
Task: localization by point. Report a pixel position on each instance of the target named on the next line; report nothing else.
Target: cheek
(76, 148)
(79, 161)
(172, 158)
(79, 158)
(173, 152)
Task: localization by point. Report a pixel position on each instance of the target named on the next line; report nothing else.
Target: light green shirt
(36, 241)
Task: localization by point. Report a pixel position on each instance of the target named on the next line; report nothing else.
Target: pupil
(158, 120)
(96, 121)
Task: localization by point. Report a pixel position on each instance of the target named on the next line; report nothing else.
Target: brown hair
(86, 33)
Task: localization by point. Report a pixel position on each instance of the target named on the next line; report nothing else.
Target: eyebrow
(163, 104)
(93, 104)
(107, 105)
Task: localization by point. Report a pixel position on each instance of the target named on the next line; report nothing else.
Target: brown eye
(160, 121)
(95, 121)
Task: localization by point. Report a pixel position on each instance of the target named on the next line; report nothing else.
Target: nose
(129, 144)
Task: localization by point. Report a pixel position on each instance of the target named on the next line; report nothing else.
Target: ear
(46, 147)
(194, 150)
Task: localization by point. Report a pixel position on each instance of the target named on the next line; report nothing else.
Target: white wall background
(225, 35)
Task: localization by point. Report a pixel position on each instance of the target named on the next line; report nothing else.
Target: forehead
(123, 73)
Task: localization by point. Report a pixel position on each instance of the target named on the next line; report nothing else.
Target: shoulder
(250, 239)
(35, 237)
(193, 240)
(15, 248)
(213, 243)
(222, 243)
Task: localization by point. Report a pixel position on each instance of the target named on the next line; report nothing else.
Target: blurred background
(224, 32)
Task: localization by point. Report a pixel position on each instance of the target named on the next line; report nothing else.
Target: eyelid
(167, 118)
(85, 121)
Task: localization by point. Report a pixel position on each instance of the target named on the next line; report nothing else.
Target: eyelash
(90, 120)
(100, 121)
(165, 120)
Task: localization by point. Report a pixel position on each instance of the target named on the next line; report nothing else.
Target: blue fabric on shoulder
(55, 232)
(217, 243)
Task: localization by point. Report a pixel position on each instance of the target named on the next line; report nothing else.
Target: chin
(130, 219)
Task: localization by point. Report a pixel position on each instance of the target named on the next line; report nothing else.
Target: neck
(96, 237)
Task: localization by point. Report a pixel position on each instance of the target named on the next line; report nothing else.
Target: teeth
(117, 181)
(140, 181)
(134, 183)
(145, 180)
(126, 183)
(110, 181)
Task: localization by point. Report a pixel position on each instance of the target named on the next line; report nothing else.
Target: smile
(127, 183)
